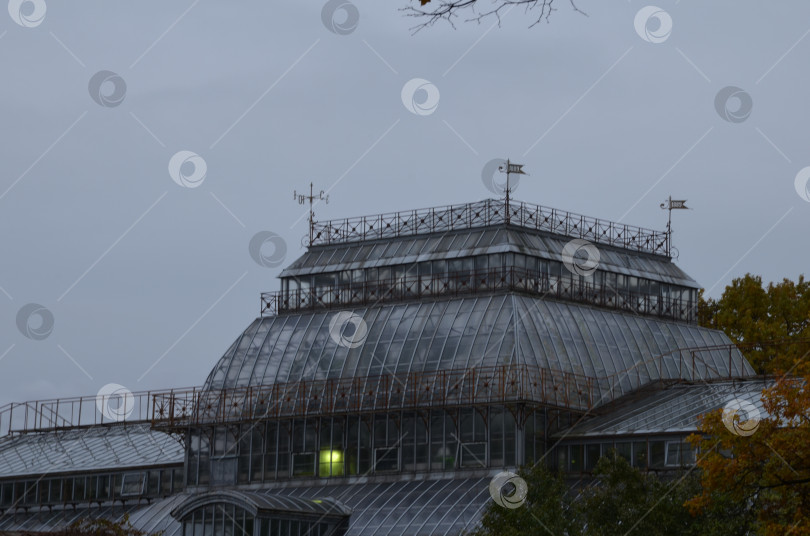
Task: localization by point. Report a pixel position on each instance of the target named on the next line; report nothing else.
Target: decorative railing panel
(64, 413)
(491, 212)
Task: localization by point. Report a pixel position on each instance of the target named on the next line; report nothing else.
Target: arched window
(238, 513)
(218, 520)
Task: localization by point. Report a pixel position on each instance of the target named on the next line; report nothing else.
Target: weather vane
(312, 197)
(670, 205)
(510, 168)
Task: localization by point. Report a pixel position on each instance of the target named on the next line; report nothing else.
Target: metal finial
(508, 169)
(311, 198)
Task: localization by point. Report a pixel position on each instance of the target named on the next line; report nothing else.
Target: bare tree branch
(429, 12)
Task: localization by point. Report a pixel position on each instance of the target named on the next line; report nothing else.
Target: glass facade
(324, 447)
(653, 453)
(91, 488)
(449, 276)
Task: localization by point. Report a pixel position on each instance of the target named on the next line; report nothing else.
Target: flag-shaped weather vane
(670, 205)
(510, 168)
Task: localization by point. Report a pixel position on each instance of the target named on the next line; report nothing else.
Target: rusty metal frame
(479, 386)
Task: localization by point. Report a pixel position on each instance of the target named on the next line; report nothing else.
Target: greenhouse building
(406, 360)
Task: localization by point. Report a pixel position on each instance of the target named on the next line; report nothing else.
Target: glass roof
(675, 409)
(430, 507)
(87, 449)
(427, 507)
(465, 332)
(152, 518)
(466, 243)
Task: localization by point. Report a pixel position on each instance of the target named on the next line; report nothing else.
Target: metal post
(669, 225)
(508, 211)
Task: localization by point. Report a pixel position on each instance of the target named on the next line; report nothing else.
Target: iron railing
(476, 386)
(491, 212)
(381, 393)
(179, 408)
(476, 282)
(124, 407)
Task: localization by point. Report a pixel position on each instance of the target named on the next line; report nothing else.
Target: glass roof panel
(87, 449)
(675, 409)
(462, 332)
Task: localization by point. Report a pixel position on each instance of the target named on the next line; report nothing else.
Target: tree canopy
(620, 501)
(767, 469)
(770, 324)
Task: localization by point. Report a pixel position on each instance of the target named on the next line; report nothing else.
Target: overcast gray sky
(142, 274)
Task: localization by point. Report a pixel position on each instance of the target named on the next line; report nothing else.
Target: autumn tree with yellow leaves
(762, 462)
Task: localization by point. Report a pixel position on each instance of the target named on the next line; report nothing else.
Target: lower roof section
(150, 518)
(445, 507)
(676, 409)
(98, 448)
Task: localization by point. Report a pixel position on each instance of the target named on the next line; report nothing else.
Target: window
(165, 482)
(330, 462)
(56, 490)
(473, 454)
(78, 488)
(640, 454)
(224, 442)
(153, 485)
(132, 484)
(8, 494)
(303, 464)
(562, 458)
(223, 470)
(623, 450)
(657, 454)
(177, 479)
(591, 456)
(679, 453)
(43, 491)
(577, 464)
(386, 459)
(473, 426)
(218, 519)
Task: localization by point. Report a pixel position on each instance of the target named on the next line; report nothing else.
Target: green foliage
(750, 313)
(624, 501)
(621, 501)
(548, 509)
